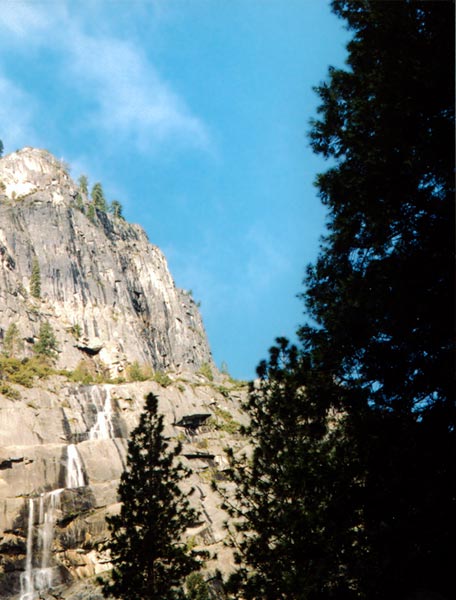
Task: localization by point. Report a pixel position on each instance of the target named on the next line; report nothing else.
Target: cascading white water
(26, 579)
(74, 473)
(39, 578)
(103, 428)
(48, 522)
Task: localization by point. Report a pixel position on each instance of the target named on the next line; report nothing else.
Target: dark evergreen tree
(381, 287)
(149, 556)
(98, 197)
(35, 279)
(359, 501)
(1, 148)
(116, 209)
(287, 509)
(381, 292)
(46, 347)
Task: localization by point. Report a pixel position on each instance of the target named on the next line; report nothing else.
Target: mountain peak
(99, 276)
(31, 170)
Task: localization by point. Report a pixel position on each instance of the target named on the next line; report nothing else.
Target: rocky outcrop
(105, 289)
(111, 302)
(62, 451)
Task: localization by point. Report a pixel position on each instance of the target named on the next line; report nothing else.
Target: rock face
(108, 296)
(62, 451)
(101, 280)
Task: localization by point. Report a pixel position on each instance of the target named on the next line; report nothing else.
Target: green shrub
(206, 371)
(23, 372)
(76, 330)
(223, 390)
(136, 372)
(225, 421)
(87, 373)
(202, 444)
(197, 588)
(162, 378)
(8, 391)
(79, 202)
(82, 374)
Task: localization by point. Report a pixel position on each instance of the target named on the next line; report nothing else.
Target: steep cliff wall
(110, 299)
(101, 278)
(62, 450)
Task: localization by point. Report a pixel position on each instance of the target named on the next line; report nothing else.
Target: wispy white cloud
(122, 92)
(130, 97)
(23, 19)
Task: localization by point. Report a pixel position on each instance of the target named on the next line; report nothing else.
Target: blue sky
(194, 114)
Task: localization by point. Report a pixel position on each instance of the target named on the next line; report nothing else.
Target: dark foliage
(35, 279)
(98, 197)
(116, 209)
(287, 505)
(382, 286)
(46, 347)
(150, 558)
(351, 489)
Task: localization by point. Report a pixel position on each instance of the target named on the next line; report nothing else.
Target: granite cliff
(102, 277)
(111, 302)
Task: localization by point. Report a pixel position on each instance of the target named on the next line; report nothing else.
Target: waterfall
(75, 474)
(103, 428)
(48, 521)
(39, 578)
(26, 577)
(38, 574)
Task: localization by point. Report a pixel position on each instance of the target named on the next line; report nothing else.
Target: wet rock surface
(55, 492)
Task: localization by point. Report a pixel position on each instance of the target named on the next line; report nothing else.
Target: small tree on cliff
(149, 557)
(98, 197)
(35, 279)
(116, 209)
(12, 342)
(83, 184)
(46, 347)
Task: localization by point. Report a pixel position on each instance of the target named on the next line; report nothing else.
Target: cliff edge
(105, 289)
